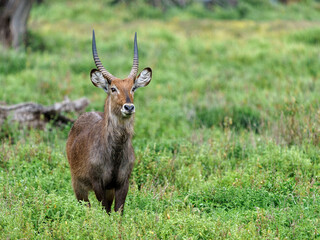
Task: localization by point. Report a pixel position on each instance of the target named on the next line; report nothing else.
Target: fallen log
(36, 115)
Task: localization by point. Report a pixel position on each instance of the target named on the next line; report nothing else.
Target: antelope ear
(98, 80)
(144, 78)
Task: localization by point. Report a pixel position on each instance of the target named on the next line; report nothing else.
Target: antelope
(99, 146)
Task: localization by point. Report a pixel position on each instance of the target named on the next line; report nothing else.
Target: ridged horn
(135, 65)
(98, 63)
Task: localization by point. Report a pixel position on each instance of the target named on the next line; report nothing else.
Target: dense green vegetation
(226, 137)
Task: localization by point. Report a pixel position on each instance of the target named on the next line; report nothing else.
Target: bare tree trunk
(13, 22)
(36, 115)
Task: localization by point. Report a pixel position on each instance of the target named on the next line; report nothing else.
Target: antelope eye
(113, 89)
(133, 89)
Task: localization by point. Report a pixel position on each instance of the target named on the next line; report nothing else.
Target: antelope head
(120, 91)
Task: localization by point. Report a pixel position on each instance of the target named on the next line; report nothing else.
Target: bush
(236, 117)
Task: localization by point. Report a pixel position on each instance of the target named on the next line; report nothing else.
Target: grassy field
(226, 136)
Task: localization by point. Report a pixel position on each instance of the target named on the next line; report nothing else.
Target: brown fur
(100, 152)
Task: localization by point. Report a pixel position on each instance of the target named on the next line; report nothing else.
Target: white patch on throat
(112, 117)
(116, 125)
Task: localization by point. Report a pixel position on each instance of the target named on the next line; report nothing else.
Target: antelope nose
(128, 107)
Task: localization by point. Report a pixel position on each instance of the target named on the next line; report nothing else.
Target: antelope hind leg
(80, 191)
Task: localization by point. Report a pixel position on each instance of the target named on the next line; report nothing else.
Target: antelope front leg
(121, 195)
(108, 199)
(104, 196)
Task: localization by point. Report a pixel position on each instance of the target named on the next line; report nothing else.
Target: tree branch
(37, 115)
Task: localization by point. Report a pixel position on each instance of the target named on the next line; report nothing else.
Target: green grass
(226, 137)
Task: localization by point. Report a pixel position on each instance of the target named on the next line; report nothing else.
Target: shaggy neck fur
(117, 128)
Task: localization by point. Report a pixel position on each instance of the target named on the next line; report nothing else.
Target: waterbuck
(99, 146)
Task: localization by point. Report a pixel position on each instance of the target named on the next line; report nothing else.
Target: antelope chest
(113, 171)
